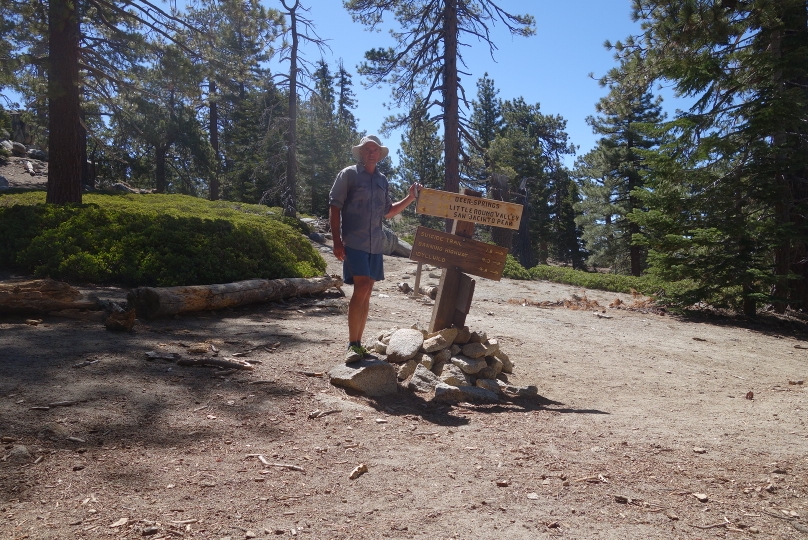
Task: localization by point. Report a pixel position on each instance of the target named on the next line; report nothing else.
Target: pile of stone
(20, 150)
(453, 364)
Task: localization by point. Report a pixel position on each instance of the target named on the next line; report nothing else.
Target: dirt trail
(636, 413)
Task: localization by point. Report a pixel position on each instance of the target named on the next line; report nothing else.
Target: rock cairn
(453, 365)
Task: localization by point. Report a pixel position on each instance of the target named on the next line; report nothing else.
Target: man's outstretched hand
(414, 189)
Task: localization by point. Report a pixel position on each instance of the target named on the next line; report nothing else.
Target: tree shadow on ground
(793, 325)
(405, 403)
(113, 393)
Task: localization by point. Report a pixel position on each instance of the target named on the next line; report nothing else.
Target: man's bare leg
(359, 307)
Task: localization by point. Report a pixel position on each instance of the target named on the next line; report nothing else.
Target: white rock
(371, 377)
(427, 361)
(442, 356)
(474, 350)
(18, 149)
(19, 454)
(435, 344)
(507, 365)
(453, 394)
(469, 365)
(462, 336)
(451, 374)
(489, 384)
(449, 334)
(407, 369)
(423, 380)
(404, 344)
(521, 390)
(491, 347)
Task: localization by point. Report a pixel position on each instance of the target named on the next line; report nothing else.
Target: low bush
(161, 240)
(647, 285)
(514, 270)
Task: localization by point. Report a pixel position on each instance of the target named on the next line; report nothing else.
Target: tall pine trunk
(290, 202)
(64, 106)
(451, 109)
(86, 178)
(501, 236)
(213, 128)
(634, 252)
(160, 168)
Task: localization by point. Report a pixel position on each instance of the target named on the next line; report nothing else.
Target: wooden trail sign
(462, 207)
(447, 250)
(457, 252)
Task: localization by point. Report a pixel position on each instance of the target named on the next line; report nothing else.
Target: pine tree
(605, 246)
(608, 175)
(420, 159)
(235, 39)
(530, 151)
(485, 125)
(325, 139)
(162, 118)
(301, 28)
(346, 100)
(423, 65)
(85, 49)
(254, 160)
(741, 150)
(566, 234)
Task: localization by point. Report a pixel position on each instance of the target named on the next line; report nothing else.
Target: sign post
(457, 252)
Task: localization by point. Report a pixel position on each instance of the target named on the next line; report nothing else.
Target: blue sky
(551, 68)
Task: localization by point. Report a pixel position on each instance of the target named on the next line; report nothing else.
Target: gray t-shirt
(364, 199)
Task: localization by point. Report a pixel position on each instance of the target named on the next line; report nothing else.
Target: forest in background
(184, 102)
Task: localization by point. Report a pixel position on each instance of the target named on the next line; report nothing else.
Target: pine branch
(154, 25)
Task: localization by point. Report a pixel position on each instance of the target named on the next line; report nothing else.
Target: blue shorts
(362, 263)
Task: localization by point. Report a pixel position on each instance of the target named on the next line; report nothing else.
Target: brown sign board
(445, 204)
(451, 251)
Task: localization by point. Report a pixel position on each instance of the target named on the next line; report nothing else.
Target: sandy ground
(18, 176)
(643, 427)
(636, 414)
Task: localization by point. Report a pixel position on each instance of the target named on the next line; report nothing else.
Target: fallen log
(42, 296)
(152, 302)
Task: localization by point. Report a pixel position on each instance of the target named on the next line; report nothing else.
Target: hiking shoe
(361, 350)
(355, 354)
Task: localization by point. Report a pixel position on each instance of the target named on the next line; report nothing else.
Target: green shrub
(514, 270)
(647, 285)
(159, 240)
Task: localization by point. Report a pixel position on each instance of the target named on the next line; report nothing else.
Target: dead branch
(217, 362)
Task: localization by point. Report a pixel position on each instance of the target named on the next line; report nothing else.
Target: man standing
(359, 201)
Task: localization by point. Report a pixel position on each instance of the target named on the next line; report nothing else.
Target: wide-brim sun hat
(370, 139)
